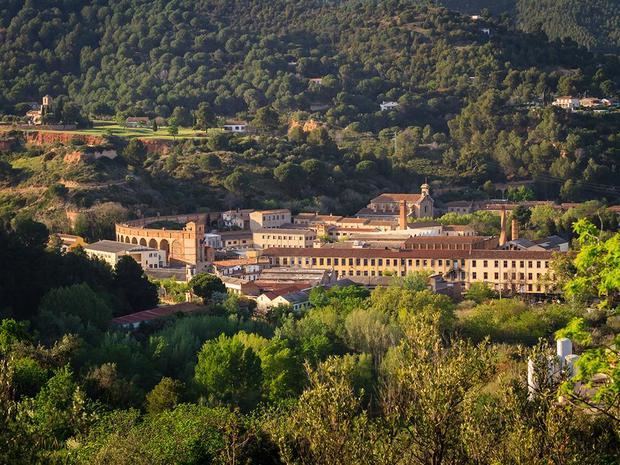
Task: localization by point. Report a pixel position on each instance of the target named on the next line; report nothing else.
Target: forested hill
(151, 56)
(591, 23)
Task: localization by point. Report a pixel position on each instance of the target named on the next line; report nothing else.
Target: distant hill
(593, 23)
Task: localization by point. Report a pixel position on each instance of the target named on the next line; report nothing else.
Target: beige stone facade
(184, 246)
(507, 271)
(296, 238)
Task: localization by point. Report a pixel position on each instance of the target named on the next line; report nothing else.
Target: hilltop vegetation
(593, 24)
(472, 107)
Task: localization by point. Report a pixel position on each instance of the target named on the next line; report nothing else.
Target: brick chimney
(515, 229)
(402, 216)
(502, 234)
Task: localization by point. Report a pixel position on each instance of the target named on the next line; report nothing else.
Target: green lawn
(101, 128)
(29, 163)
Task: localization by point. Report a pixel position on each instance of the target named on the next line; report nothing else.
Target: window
(417, 262)
(440, 262)
(496, 264)
(521, 264)
(380, 262)
(425, 262)
(314, 261)
(335, 262)
(505, 276)
(529, 264)
(365, 262)
(514, 264)
(372, 262)
(485, 263)
(473, 263)
(486, 276)
(529, 276)
(505, 263)
(496, 276)
(474, 275)
(320, 261)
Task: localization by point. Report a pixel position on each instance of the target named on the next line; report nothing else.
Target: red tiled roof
(157, 312)
(446, 239)
(385, 253)
(391, 198)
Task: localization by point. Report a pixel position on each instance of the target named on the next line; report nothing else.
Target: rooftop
(285, 231)
(404, 254)
(391, 198)
(115, 247)
(155, 313)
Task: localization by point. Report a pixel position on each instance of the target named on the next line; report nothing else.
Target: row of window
(402, 262)
(370, 262)
(507, 276)
(513, 263)
(290, 238)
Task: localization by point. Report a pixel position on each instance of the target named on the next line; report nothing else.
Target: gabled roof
(391, 198)
(115, 247)
(157, 312)
(551, 242)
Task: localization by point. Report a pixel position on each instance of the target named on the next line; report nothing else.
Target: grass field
(101, 128)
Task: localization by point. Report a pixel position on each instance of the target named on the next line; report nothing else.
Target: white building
(277, 237)
(386, 106)
(236, 126)
(239, 218)
(112, 251)
(567, 103)
(261, 219)
(213, 240)
(297, 300)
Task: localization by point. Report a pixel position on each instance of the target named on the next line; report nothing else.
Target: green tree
(480, 292)
(290, 176)
(164, 396)
(266, 118)
(229, 372)
(133, 284)
(597, 267)
(135, 152)
(173, 129)
(205, 285)
(75, 309)
(204, 116)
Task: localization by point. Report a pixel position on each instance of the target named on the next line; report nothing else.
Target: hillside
(594, 24)
(472, 104)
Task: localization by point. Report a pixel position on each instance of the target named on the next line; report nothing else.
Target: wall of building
(516, 272)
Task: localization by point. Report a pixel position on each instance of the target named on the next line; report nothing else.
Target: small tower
(502, 234)
(425, 190)
(515, 229)
(46, 104)
(402, 216)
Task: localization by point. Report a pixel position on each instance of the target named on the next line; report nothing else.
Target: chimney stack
(402, 217)
(502, 234)
(515, 229)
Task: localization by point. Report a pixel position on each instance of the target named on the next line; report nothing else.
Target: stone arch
(177, 249)
(127, 239)
(165, 246)
(143, 242)
(134, 240)
(153, 244)
(120, 238)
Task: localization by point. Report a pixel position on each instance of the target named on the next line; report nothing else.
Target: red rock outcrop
(160, 146)
(48, 138)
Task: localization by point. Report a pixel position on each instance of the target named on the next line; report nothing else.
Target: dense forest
(593, 24)
(399, 375)
(473, 106)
